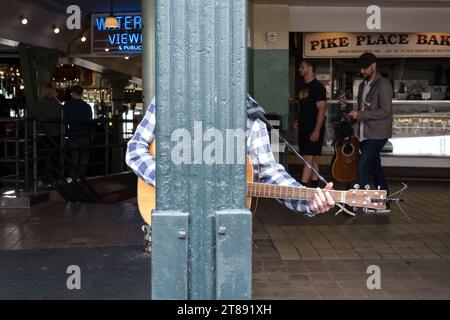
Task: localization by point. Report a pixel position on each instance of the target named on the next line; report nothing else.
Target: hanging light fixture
(23, 20)
(111, 21)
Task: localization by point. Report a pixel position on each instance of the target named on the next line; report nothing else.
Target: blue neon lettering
(125, 38)
(136, 38)
(130, 48)
(138, 22)
(125, 23)
(119, 19)
(100, 23)
(128, 22)
(113, 39)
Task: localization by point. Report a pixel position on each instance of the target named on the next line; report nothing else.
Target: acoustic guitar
(344, 166)
(372, 199)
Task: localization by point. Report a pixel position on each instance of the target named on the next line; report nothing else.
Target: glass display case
(420, 127)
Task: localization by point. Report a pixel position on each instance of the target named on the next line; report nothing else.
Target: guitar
(372, 199)
(344, 165)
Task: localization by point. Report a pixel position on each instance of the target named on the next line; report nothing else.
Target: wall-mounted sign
(125, 39)
(387, 45)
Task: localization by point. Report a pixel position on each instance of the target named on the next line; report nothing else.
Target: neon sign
(124, 39)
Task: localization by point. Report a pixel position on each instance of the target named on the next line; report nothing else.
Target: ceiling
(88, 6)
(43, 14)
(359, 3)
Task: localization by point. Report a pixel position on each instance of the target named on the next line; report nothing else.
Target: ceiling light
(127, 57)
(106, 49)
(55, 29)
(111, 21)
(23, 20)
(83, 39)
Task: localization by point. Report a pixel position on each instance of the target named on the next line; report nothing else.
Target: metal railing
(30, 157)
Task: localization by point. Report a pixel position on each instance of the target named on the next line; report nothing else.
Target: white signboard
(387, 45)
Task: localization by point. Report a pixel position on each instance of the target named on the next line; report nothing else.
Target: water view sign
(125, 39)
(388, 45)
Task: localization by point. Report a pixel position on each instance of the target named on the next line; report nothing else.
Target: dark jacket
(377, 116)
(48, 114)
(78, 117)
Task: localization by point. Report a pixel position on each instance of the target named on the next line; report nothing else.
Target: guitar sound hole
(347, 149)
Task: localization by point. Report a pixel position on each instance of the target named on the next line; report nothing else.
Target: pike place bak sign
(387, 45)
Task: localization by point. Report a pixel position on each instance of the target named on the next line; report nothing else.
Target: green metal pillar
(38, 65)
(200, 85)
(148, 52)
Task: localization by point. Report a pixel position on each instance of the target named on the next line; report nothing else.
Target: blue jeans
(370, 164)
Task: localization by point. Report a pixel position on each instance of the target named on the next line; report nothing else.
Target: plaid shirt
(143, 163)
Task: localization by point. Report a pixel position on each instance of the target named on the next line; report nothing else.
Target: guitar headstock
(343, 101)
(362, 198)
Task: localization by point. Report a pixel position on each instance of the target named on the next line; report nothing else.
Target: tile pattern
(294, 257)
(326, 257)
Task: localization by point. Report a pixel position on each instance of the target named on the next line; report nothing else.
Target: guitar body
(146, 194)
(345, 162)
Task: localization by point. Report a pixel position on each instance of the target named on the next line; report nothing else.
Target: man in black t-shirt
(312, 108)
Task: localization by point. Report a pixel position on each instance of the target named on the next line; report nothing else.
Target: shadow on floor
(106, 273)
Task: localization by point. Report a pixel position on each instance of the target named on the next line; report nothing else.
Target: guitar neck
(264, 190)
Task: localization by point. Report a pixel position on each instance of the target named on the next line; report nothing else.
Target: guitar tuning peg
(367, 187)
(365, 210)
(356, 186)
(378, 187)
(354, 209)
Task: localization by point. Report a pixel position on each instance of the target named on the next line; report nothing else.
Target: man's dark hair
(78, 90)
(310, 64)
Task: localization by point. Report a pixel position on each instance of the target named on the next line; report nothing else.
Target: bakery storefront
(418, 67)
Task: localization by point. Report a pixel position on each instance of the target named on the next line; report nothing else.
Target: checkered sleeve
(138, 157)
(270, 171)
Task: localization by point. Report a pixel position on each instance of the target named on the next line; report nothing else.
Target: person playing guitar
(139, 159)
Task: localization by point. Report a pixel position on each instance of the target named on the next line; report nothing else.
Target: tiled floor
(294, 257)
